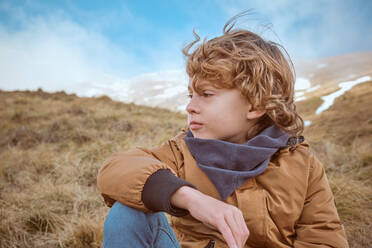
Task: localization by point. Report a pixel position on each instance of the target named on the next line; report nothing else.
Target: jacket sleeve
(319, 224)
(123, 175)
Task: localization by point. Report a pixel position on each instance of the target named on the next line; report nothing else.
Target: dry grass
(52, 145)
(341, 137)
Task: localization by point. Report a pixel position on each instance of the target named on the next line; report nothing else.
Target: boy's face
(222, 114)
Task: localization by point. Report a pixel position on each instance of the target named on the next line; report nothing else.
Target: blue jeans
(128, 227)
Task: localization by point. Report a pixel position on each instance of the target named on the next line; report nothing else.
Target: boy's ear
(254, 114)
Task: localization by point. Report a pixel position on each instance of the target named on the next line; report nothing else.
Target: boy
(239, 175)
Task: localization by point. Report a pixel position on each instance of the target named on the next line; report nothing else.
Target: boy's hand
(225, 218)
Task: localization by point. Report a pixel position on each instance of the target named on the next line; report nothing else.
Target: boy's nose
(193, 107)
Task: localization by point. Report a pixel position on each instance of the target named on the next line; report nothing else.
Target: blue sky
(66, 42)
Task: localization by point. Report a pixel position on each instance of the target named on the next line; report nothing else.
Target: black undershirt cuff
(158, 190)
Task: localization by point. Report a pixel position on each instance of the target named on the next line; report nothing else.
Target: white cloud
(53, 52)
(310, 29)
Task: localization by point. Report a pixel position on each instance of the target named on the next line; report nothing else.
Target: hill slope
(342, 139)
(51, 146)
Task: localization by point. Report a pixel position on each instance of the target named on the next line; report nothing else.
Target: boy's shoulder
(301, 156)
(300, 148)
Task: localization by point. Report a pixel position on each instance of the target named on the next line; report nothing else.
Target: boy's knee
(126, 227)
(123, 218)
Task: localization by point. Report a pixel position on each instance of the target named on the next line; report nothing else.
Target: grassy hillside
(52, 145)
(342, 139)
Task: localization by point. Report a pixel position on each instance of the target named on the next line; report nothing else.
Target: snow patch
(322, 65)
(301, 98)
(298, 94)
(313, 88)
(344, 86)
(302, 83)
(307, 123)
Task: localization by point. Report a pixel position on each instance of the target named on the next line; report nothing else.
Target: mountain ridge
(169, 89)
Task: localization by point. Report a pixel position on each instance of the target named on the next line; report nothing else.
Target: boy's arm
(123, 177)
(159, 189)
(319, 224)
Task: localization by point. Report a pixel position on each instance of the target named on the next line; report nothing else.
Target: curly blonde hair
(242, 59)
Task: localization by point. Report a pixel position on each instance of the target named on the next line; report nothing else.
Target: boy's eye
(204, 94)
(207, 94)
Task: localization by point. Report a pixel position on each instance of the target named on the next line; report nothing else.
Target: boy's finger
(235, 227)
(242, 226)
(227, 235)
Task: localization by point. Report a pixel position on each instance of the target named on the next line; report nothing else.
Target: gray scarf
(229, 165)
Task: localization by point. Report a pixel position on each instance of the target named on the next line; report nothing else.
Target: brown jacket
(289, 205)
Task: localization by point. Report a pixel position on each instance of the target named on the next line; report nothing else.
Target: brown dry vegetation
(342, 139)
(52, 145)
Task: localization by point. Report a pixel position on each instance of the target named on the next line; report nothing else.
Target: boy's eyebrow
(201, 86)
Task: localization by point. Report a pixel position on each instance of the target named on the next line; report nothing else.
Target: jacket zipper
(210, 244)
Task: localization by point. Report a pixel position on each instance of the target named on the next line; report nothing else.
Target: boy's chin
(200, 135)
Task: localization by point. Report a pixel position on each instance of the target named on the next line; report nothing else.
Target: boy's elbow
(103, 184)
(100, 181)
(103, 177)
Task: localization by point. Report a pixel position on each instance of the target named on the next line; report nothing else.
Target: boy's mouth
(195, 125)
